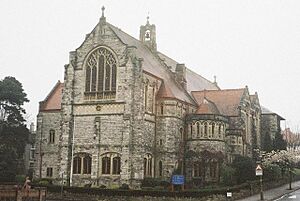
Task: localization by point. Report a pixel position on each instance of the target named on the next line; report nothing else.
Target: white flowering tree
(285, 160)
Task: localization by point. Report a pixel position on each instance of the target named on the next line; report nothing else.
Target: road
(290, 197)
(275, 193)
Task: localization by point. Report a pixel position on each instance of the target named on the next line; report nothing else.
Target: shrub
(124, 187)
(164, 184)
(244, 169)
(154, 182)
(20, 178)
(44, 182)
(272, 172)
(102, 186)
(150, 182)
(227, 175)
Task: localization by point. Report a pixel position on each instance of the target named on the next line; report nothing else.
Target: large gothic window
(101, 74)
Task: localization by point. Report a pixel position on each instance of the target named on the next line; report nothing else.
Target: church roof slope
(154, 65)
(266, 111)
(53, 101)
(195, 82)
(164, 92)
(207, 107)
(227, 101)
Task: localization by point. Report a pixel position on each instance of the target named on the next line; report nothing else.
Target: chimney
(180, 74)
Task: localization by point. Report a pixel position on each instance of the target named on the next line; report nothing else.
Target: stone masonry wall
(169, 143)
(47, 154)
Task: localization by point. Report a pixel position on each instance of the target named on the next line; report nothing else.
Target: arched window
(111, 164)
(145, 166)
(205, 129)
(77, 165)
(213, 130)
(198, 129)
(116, 165)
(82, 164)
(148, 166)
(162, 108)
(213, 169)
(105, 165)
(87, 165)
(181, 133)
(153, 99)
(220, 131)
(52, 136)
(101, 74)
(191, 128)
(197, 169)
(146, 97)
(160, 168)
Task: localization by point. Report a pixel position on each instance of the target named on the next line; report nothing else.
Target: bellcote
(148, 35)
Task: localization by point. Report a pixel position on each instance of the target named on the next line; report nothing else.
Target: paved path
(293, 196)
(275, 193)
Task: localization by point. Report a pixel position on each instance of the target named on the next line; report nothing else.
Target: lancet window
(148, 165)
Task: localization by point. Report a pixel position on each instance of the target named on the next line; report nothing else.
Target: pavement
(274, 193)
(293, 196)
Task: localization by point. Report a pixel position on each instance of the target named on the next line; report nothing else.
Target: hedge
(152, 193)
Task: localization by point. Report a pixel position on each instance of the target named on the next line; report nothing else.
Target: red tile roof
(227, 101)
(164, 92)
(53, 101)
(207, 107)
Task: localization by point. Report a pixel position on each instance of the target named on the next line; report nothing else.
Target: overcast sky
(254, 43)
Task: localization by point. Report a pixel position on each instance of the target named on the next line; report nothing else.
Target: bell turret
(148, 35)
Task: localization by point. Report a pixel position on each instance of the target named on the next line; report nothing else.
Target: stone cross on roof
(103, 8)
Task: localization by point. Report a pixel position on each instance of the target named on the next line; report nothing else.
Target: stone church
(126, 112)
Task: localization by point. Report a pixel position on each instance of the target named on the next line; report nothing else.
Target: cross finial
(103, 8)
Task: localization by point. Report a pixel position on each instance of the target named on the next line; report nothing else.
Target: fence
(13, 193)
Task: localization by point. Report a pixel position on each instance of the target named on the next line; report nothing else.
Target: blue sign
(178, 179)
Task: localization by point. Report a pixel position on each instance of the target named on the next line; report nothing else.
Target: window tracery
(101, 74)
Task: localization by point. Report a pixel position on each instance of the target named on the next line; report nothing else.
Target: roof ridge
(124, 33)
(219, 90)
